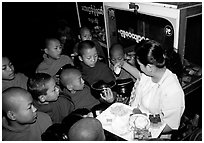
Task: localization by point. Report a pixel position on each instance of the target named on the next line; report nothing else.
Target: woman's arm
(131, 69)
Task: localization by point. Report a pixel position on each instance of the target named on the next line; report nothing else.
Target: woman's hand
(107, 95)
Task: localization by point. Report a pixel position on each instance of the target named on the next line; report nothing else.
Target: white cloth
(165, 97)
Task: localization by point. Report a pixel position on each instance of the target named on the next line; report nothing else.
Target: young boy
(74, 86)
(47, 99)
(21, 121)
(92, 69)
(85, 34)
(10, 78)
(117, 55)
(53, 60)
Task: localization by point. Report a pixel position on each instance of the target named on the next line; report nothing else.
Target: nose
(56, 89)
(82, 81)
(59, 49)
(92, 59)
(34, 109)
(10, 68)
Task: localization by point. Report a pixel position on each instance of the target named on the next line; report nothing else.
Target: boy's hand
(107, 95)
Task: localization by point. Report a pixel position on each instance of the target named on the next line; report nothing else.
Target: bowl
(100, 86)
(139, 121)
(124, 86)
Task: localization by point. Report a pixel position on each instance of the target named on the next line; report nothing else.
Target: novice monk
(92, 69)
(73, 83)
(53, 60)
(85, 34)
(117, 55)
(87, 129)
(21, 121)
(47, 97)
(10, 78)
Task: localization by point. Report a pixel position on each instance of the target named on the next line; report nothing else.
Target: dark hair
(36, 84)
(84, 45)
(151, 52)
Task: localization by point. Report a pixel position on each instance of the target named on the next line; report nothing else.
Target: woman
(157, 90)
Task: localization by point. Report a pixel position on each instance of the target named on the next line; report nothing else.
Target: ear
(149, 67)
(11, 115)
(80, 58)
(69, 87)
(46, 50)
(79, 37)
(42, 98)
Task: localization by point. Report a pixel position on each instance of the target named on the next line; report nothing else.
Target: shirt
(83, 98)
(57, 110)
(165, 97)
(101, 71)
(52, 66)
(20, 80)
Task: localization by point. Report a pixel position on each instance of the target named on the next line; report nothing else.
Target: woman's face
(144, 68)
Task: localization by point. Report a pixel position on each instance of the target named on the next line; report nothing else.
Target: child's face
(77, 82)
(52, 91)
(117, 56)
(86, 35)
(54, 49)
(25, 111)
(90, 57)
(7, 69)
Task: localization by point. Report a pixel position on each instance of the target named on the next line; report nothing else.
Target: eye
(4, 68)
(10, 64)
(29, 107)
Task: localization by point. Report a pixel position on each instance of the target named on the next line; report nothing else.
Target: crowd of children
(32, 105)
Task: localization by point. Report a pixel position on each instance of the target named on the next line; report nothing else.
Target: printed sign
(91, 15)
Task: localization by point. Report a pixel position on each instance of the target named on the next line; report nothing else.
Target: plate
(139, 121)
(120, 110)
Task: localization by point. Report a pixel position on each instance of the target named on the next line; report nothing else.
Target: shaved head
(67, 75)
(12, 97)
(116, 48)
(87, 129)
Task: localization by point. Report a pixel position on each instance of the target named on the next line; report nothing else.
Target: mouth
(35, 116)
(58, 56)
(92, 65)
(12, 74)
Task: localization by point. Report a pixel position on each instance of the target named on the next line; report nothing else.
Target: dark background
(25, 26)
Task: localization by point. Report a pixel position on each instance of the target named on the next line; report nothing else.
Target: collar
(6, 125)
(48, 60)
(165, 75)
